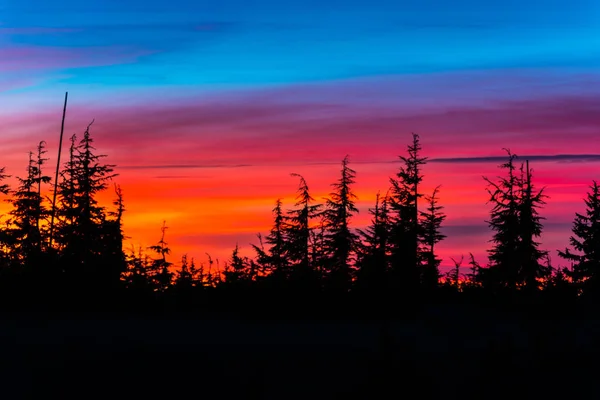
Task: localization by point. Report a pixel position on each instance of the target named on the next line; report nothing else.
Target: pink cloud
(271, 133)
(267, 132)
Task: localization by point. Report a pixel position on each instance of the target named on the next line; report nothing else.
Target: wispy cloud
(530, 157)
(266, 133)
(181, 166)
(290, 127)
(32, 30)
(558, 158)
(53, 58)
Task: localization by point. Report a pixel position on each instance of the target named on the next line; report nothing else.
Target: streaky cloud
(570, 158)
(531, 157)
(182, 166)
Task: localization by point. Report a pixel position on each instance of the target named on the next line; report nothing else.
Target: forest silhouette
(511, 322)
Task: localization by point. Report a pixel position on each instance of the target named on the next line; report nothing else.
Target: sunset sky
(207, 108)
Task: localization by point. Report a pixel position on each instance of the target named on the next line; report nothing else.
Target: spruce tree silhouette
(431, 222)
(274, 260)
(297, 238)
(65, 223)
(406, 230)
(237, 271)
(373, 266)
(340, 241)
(27, 215)
(112, 238)
(515, 260)
(81, 228)
(533, 269)
(504, 221)
(161, 274)
(585, 240)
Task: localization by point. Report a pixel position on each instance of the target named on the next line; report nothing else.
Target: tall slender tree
(340, 240)
(28, 212)
(273, 259)
(237, 270)
(585, 241)
(504, 221)
(534, 267)
(113, 237)
(405, 228)
(66, 191)
(515, 259)
(431, 221)
(82, 225)
(161, 268)
(298, 232)
(373, 255)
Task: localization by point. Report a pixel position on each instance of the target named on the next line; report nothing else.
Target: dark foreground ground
(445, 352)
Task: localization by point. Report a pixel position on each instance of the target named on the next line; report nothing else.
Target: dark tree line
(312, 248)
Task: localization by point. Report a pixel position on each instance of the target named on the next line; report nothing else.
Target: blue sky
(246, 43)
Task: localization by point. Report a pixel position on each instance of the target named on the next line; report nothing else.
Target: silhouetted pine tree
(274, 259)
(27, 233)
(81, 230)
(188, 276)
(112, 238)
(373, 256)
(297, 236)
(161, 274)
(66, 190)
(431, 221)
(515, 260)
(138, 275)
(263, 260)
(238, 272)
(405, 230)
(532, 269)
(504, 221)
(586, 242)
(339, 240)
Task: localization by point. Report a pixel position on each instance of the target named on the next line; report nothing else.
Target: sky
(207, 107)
